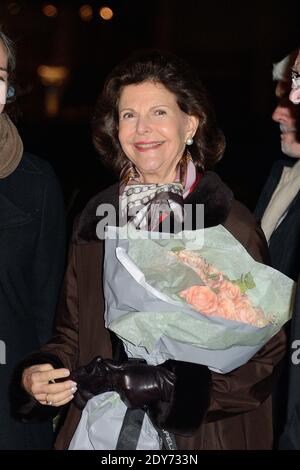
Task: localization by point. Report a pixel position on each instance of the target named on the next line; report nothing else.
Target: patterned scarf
(147, 205)
(11, 146)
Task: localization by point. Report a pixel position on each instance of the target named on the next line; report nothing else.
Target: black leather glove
(92, 379)
(140, 384)
(137, 383)
(176, 394)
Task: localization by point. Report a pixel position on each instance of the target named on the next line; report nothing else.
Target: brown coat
(239, 416)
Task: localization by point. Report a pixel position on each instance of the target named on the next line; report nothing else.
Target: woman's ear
(192, 126)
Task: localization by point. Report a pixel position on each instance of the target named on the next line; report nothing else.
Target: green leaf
(177, 249)
(213, 276)
(245, 282)
(215, 290)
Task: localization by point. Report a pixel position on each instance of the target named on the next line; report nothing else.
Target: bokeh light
(86, 13)
(106, 13)
(52, 75)
(50, 10)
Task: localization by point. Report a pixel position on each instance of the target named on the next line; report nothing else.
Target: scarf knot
(147, 205)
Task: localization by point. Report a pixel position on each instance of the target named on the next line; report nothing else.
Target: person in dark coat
(290, 438)
(278, 207)
(152, 110)
(278, 210)
(32, 258)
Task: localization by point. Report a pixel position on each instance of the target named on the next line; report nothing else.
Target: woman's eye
(160, 112)
(127, 115)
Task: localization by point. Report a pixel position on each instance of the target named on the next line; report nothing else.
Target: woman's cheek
(3, 92)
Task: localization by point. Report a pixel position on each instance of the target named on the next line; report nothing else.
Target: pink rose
(231, 290)
(202, 298)
(219, 296)
(226, 309)
(194, 261)
(248, 314)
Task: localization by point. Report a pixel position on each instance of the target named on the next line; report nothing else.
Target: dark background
(232, 45)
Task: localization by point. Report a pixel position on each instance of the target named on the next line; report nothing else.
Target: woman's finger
(43, 367)
(63, 402)
(57, 398)
(60, 387)
(60, 403)
(56, 374)
(39, 388)
(45, 377)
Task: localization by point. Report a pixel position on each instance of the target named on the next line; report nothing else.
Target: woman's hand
(39, 381)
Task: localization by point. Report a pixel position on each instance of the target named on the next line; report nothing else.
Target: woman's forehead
(146, 90)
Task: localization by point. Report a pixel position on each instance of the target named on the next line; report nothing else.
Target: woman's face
(153, 130)
(3, 76)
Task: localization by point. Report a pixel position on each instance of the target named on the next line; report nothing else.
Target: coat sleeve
(60, 351)
(204, 396)
(246, 387)
(49, 261)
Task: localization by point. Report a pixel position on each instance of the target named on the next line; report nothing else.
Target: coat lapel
(11, 215)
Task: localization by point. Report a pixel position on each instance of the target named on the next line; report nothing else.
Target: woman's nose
(143, 125)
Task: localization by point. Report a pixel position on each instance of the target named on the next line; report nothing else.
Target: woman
(32, 253)
(151, 111)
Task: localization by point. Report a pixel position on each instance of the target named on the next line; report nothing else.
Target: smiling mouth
(143, 146)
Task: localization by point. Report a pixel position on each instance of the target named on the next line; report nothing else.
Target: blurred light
(14, 8)
(52, 75)
(50, 10)
(86, 13)
(52, 102)
(106, 13)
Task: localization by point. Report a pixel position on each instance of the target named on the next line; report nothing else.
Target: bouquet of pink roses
(197, 296)
(220, 296)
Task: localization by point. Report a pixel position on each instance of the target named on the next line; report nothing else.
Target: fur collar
(211, 191)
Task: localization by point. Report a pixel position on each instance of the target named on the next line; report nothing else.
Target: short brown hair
(179, 79)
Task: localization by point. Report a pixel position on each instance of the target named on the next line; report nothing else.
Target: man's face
(287, 116)
(295, 92)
